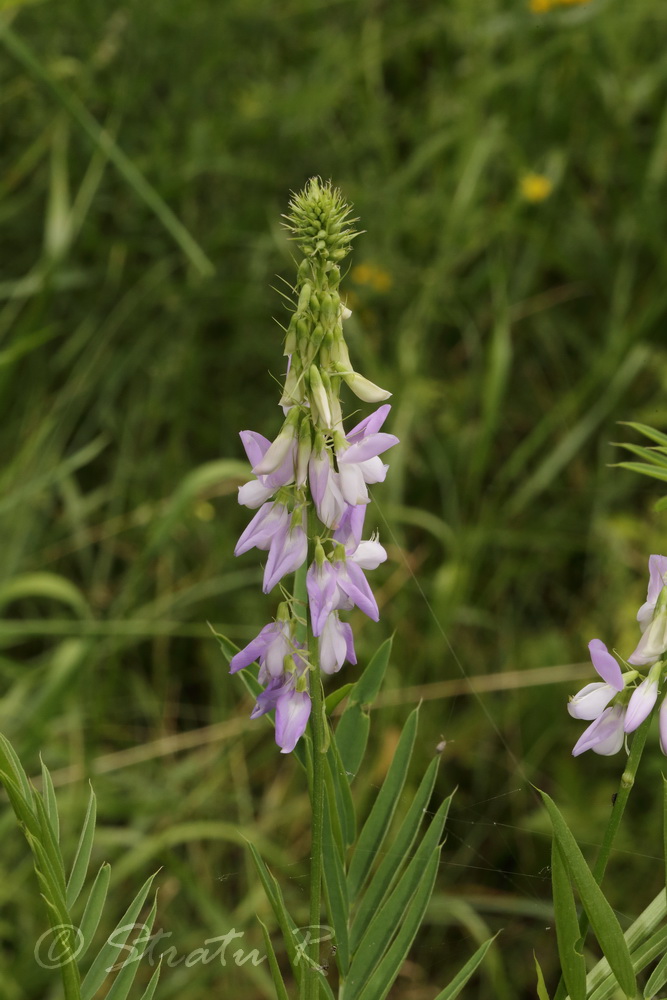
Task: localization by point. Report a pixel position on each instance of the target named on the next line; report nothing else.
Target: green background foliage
(513, 334)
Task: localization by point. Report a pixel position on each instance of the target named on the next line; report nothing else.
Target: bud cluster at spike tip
(618, 703)
(313, 477)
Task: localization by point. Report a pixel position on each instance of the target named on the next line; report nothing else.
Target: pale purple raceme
(313, 467)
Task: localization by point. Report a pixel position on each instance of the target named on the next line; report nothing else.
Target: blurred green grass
(514, 334)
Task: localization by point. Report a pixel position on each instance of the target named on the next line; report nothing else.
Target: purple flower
(257, 491)
(270, 519)
(355, 589)
(663, 726)
(657, 568)
(288, 550)
(605, 735)
(357, 454)
(336, 644)
(274, 457)
(652, 617)
(348, 532)
(322, 587)
(591, 701)
(292, 714)
(325, 488)
(292, 708)
(605, 664)
(269, 648)
(641, 703)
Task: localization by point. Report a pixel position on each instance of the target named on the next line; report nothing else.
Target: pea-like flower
(652, 616)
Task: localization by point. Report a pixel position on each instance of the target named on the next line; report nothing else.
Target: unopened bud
(319, 396)
(303, 452)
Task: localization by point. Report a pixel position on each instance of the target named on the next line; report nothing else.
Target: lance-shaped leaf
(149, 992)
(50, 803)
(572, 961)
(600, 914)
(108, 954)
(122, 984)
(82, 856)
(276, 975)
(344, 803)
(94, 906)
(376, 826)
(285, 922)
(354, 724)
(336, 889)
(394, 857)
(464, 974)
(386, 972)
(387, 921)
(542, 991)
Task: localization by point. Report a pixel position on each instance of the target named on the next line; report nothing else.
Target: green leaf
(368, 686)
(387, 921)
(336, 889)
(654, 456)
(657, 979)
(82, 856)
(285, 922)
(94, 906)
(601, 916)
(150, 989)
(386, 972)
(376, 826)
(463, 975)
(649, 432)
(50, 803)
(10, 763)
(115, 943)
(344, 803)
(122, 984)
(542, 992)
(572, 961)
(641, 467)
(276, 975)
(394, 857)
(354, 724)
(351, 738)
(333, 700)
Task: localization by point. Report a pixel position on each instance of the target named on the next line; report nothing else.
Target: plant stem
(310, 981)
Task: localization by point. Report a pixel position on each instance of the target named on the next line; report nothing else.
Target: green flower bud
(319, 221)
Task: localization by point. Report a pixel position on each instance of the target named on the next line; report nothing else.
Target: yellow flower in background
(535, 187)
(542, 6)
(374, 277)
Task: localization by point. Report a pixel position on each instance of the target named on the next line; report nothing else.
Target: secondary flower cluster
(313, 463)
(620, 701)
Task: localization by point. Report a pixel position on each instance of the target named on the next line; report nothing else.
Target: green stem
(618, 808)
(310, 981)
